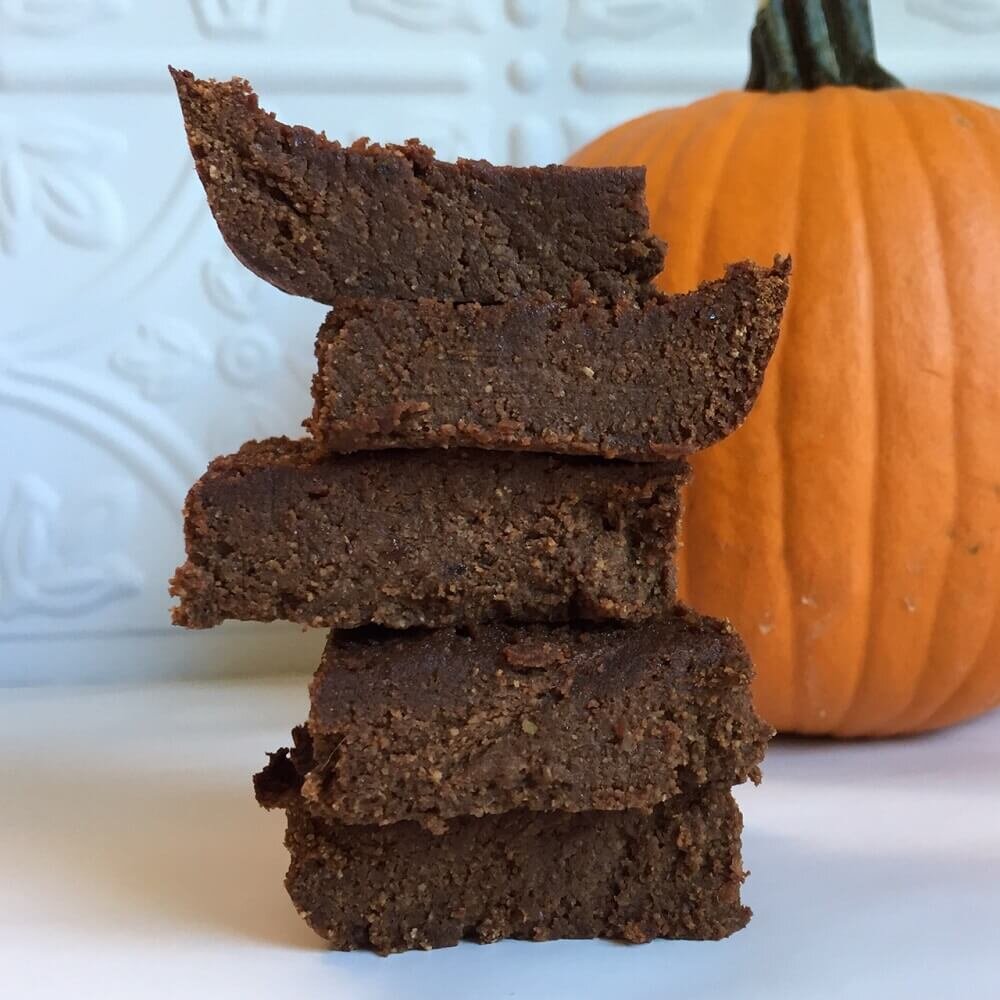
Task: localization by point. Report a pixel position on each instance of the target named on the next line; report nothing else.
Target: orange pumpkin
(851, 529)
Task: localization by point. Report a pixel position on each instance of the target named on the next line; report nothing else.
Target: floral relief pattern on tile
(625, 19)
(164, 358)
(428, 15)
(524, 13)
(231, 288)
(58, 554)
(50, 181)
(239, 18)
(248, 358)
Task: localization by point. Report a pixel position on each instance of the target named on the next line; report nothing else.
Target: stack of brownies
(515, 730)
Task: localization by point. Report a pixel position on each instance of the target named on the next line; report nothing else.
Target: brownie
(670, 872)
(322, 220)
(434, 538)
(429, 725)
(642, 380)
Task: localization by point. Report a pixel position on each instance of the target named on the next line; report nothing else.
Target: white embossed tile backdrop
(132, 345)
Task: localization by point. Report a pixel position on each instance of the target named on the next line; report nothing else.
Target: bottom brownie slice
(672, 872)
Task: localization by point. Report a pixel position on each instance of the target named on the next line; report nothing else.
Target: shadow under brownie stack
(515, 730)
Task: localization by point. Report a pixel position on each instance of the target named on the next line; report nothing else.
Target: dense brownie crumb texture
(427, 725)
(426, 538)
(528, 781)
(515, 730)
(323, 220)
(644, 380)
(670, 872)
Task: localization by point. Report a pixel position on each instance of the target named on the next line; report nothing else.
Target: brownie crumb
(534, 656)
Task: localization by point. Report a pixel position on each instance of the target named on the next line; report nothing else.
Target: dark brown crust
(429, 725)
(672, 872)
(322, 220)
(429, 538)
(644, 381)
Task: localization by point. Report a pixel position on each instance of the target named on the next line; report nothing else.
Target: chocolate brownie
(429, 725)
(403, 538)
(643, 380)
(322, 220)
(672, 872)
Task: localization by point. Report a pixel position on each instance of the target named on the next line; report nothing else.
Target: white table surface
(134, 863)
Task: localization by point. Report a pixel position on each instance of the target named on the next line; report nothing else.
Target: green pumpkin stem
(805, 44)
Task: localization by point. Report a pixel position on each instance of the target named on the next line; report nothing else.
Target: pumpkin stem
(805, 44)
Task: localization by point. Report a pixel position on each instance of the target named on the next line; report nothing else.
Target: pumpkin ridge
(710, 219)
(837, 107)
(860, 684)
(745, 125)
(929, 662)
(956, 553)
(865, 716)
(720, 108)
(955, 708)
(700, 124)
(707, 124)
(770, 120)
(640, 154)
(799, 693)
(779, 374)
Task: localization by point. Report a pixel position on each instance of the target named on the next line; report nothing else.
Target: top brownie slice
(321, 220)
